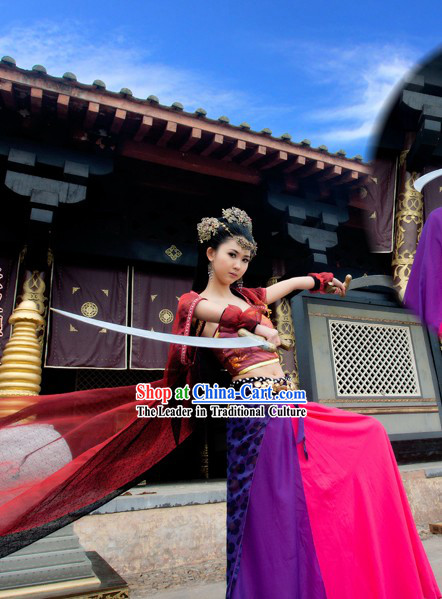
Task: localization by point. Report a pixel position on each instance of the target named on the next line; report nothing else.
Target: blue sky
(318, 70)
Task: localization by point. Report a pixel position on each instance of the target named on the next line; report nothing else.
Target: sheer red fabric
(81, 449)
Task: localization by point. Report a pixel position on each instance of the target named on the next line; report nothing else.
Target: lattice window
(373, 360)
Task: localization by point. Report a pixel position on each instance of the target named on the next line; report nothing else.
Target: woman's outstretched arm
(283, 288)
(212, 312)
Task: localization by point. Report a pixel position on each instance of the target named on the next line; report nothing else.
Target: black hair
(220, 236)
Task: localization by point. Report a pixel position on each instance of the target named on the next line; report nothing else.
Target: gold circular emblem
(166, 316)
(89, 309)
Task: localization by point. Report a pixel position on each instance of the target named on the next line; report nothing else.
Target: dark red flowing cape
(107, 447)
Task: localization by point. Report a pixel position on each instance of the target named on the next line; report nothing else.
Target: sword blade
(216, 343)
(419, 183)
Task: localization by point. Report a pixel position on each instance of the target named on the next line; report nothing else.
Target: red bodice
(241, 360)
(238, 361)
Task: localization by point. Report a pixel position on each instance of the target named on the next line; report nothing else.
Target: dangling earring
(210, 270)
(239, 283)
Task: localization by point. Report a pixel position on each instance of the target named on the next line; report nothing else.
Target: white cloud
(119, 63)
(348, 84)
(362, 80)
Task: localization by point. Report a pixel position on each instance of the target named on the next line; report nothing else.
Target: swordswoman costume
(315, 508)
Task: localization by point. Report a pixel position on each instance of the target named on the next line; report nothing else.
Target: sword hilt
(271, 347)
(330, 288)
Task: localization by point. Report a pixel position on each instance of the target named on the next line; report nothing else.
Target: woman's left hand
(340, 287)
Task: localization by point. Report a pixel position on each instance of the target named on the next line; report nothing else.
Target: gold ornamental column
(408, 225)
(282, 319)
(20, 370)
(34, 288)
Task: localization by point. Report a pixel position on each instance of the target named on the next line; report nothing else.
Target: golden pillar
(34, 288)
(408, 225)
(20, 370)
(282, 319)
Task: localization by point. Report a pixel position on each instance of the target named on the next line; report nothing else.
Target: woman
(291, 520)
(327, 518)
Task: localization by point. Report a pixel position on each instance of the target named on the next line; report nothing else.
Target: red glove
(321, 281)
(233, 318)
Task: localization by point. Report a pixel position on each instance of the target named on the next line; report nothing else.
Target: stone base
(107, 584)
(160, 548)
(423, 485)
(57, 559)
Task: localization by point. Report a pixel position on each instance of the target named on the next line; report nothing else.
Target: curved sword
(419, 183)
(226, 343)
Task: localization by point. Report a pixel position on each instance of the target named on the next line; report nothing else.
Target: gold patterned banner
(92, 292)
(378, 195)
(154, 302)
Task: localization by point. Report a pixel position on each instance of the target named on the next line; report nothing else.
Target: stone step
(45, 575)
(56, 558)
(48, 559)
(49, 543)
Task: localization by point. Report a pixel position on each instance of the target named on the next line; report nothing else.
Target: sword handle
(331, 288)
(271, 347)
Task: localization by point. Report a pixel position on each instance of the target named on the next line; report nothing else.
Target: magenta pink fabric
(352, 483)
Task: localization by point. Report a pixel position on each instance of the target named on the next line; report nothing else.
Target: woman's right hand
(271, 335)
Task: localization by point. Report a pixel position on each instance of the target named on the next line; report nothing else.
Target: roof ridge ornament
(39, 68)
(8, 60)
(99, 84)
(70, 76)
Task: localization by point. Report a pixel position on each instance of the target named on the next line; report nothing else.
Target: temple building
(100, 196)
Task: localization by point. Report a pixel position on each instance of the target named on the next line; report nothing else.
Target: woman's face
(229, 262)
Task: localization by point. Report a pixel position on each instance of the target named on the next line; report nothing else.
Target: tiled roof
(188, 135)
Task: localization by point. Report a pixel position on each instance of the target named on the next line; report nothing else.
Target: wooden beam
(7, 94)
(330, 173)
(192, 139)
(169, 131)
(189, 162)
(119, 118)
(311, 168)
(144, 128)
(216, 142)
(297, 162)
(62, 105)
(291, 183)
(36, 100)
(273, 160)
(91, 115)
(361, 204)
(347, 177)
(258, 153)
(238, 147)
